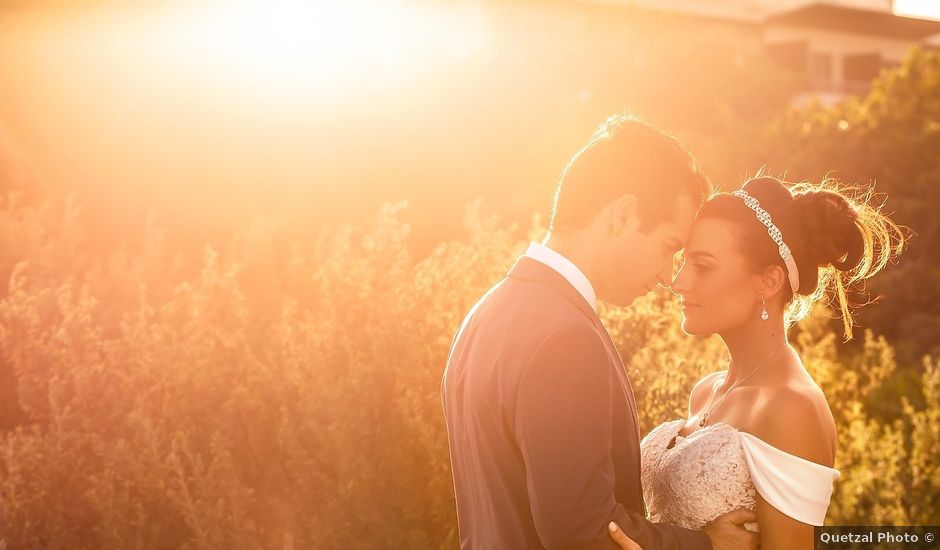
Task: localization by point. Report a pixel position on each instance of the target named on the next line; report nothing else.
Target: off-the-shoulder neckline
(682, 422)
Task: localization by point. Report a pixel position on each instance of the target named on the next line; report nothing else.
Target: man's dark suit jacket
(542, 426)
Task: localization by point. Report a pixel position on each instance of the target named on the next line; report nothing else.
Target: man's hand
(727, 532)
(621, 538)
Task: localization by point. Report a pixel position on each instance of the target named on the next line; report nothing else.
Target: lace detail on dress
(703, 476)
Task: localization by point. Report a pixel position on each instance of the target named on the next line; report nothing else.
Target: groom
(540, 413)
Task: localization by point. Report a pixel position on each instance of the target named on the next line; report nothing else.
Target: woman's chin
(694, 332)
(691, 328)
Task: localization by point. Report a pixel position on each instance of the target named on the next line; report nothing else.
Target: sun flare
(317, 45)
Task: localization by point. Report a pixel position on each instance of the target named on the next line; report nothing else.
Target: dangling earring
(763, 314)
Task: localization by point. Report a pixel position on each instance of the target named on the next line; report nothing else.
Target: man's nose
(665, 274)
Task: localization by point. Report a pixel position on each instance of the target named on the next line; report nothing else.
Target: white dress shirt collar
(566, 268)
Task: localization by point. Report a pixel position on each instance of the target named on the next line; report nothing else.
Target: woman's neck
(752, 344)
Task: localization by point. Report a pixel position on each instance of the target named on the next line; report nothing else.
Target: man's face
(638, 260)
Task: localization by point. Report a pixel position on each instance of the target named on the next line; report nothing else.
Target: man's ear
(624, 215)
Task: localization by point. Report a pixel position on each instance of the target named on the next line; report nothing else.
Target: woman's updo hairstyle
(837, 235)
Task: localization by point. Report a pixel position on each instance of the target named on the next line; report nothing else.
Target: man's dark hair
(627, 155)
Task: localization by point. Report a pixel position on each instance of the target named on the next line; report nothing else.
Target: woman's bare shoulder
(795, 417)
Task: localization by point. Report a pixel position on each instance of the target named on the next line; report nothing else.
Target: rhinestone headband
(775, 234)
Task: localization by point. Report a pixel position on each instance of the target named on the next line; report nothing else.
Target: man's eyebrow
(700, 253)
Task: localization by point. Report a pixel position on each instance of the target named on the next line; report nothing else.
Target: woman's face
(716, 284)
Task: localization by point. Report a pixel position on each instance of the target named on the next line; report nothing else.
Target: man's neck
(571, 248)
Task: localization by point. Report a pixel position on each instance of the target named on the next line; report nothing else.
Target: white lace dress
(717, 469)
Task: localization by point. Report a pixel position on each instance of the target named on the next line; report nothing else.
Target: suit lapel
(625, 382)
(533, 270)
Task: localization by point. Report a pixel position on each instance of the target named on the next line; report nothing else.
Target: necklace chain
(711, 407)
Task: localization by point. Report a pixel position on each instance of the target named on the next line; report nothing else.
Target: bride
(760, 435)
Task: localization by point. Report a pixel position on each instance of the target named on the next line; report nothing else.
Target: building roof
(861, 21)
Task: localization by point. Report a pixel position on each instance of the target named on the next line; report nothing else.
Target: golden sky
(918, 8)
(176, 105)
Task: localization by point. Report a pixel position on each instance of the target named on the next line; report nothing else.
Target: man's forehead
(677, 230)
(675, 238)
(681, 229)
(684, 215)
